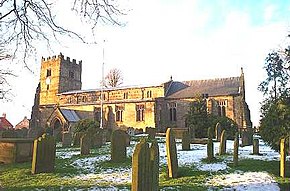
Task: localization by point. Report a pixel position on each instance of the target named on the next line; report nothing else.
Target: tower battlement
(61, 56)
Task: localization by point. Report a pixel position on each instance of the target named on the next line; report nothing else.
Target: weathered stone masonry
(60, 102)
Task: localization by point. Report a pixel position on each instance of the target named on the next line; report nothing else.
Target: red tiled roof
(4, 123)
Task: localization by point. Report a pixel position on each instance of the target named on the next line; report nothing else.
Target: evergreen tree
(275, 108)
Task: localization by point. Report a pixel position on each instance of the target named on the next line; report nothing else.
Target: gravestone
(145, 167)
(171, 153)
(43, 159)
(154, 166)
(151, 132)
(186, 141)
(210, 151)
(66, 139)
(247, 137)
(256, 146)
(98, 139)
(218, 132)
(236, 150)
(85, 144)
(15, 150)
(118, 146)
(77, 138)
(223, 143)
(282, 157)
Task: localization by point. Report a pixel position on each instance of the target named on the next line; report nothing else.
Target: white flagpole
(102, 86)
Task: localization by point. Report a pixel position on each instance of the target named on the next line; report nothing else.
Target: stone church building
(60, 101)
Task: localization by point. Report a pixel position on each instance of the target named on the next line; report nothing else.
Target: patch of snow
(212, 167)
(89, 163)
(239, 181)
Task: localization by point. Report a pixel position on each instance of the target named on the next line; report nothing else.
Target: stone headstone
(118, 146)
(210, 149)
(247, 137)
(256, 146)
(223, 143)
(236, 150)
(140, 166)
(85, 144)
(154, 166)
(97, 139)
(282, 157)
(186, 141)
(171, 153)
(77, 138)
(218, 132)
(43, 159)
(151, 132)
(145, 167)
(66, 139)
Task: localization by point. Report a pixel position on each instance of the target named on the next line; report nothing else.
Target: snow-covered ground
(233, 181)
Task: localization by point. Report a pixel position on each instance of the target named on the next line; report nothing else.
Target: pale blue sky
(186, 39)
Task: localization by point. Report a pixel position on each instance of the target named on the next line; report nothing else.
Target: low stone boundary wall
(15, 150)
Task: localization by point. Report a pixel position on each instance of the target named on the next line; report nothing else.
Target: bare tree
(4, 73)
(24, 23)
(114, 78)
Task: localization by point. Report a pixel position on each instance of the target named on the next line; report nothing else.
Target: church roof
(212, 87)
(70, 115)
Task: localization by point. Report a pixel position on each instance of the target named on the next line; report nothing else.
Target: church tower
(58, 75)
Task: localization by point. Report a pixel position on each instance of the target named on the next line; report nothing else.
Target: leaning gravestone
(223, 143)
(171, 153)
(43, 159)
(118, 146)
(145, 167)
(85, 144)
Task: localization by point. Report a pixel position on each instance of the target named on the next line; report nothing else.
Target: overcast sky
(185, 39)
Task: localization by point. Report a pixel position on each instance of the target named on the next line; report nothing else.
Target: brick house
(4, 123)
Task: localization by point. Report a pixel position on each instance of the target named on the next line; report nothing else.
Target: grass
(18, 176)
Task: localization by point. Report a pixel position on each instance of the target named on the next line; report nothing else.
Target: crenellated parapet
(66, 60)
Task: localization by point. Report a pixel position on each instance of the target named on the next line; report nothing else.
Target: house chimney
(4, 115)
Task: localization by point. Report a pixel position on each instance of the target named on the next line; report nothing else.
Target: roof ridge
(215, 79)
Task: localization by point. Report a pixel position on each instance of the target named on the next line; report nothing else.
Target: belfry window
(48, 72)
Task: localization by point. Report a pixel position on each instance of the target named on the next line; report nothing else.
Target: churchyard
(98, 169)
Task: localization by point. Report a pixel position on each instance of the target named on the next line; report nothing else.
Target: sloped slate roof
(70, 115)
(212, 87)
(175, 87)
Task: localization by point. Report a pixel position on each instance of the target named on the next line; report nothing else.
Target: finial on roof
(242, 70)
(171, 78)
